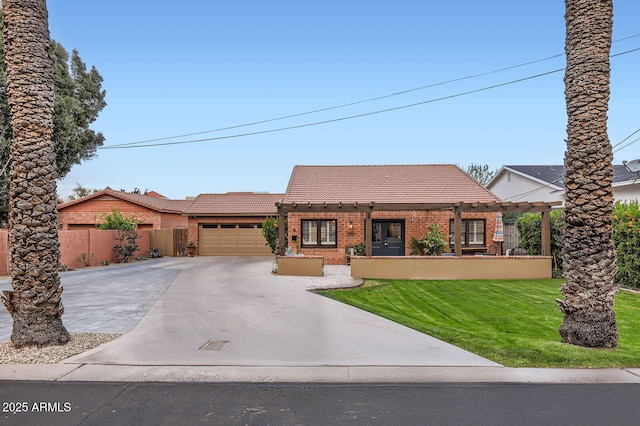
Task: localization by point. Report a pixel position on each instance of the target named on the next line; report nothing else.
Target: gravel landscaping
(78, 343)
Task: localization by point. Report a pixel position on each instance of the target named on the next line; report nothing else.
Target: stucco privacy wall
(73, 243)
(452, 268)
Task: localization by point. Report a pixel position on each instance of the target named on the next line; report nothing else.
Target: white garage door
(228, 239)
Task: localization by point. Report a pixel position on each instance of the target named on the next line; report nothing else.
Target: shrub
(127, 245)
(270, 233)
(434, 242)
(127, 234)
(85, 259)
(530, 229)
(626, 237)
(360, 249)
(154, 253)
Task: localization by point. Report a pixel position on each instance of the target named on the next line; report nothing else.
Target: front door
(388, 238)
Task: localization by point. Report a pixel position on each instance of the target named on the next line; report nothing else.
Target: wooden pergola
(457, 208)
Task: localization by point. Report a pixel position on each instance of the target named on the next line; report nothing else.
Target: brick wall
(416, 225)
(92, 218)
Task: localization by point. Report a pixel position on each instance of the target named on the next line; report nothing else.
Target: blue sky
(175, 68)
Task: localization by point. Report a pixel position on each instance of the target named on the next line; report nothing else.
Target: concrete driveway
(230, 320)
(231, 311)
(106, 299)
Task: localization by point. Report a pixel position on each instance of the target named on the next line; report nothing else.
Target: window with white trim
(319, 233)
(473, 232)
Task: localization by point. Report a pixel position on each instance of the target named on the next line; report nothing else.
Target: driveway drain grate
(214, 345)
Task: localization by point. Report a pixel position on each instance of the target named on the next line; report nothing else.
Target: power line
(377, 98)
(547, 184)
(624, 140)
(317, 123)
(532, 191)
(403, 92)
(627, 145)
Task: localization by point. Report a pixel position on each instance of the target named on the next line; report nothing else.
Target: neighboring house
(218, 224)
(343, 197)
(152, 211)
(231, 224)
(546, 183)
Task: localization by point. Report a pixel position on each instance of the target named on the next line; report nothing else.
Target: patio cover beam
(457, 208)
(372, 206)
(457, 231)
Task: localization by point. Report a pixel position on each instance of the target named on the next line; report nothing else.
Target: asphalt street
(54, 403)
(287, 357)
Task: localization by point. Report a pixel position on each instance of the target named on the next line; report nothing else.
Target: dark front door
(388, 238)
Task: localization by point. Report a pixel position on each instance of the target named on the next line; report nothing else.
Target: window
(319, 233)
(472, 232)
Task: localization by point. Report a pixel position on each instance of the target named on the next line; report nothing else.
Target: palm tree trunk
(589, 256)
(34, 255)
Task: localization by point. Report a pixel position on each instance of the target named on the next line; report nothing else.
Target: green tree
(35, 303)
(270, 233)
(480, 173)
(80, 191)
(79, 98)
(589, 255)
(127, 237)
(115, 221)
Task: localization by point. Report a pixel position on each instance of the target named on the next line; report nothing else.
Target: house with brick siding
(328, 208)
(152, 210)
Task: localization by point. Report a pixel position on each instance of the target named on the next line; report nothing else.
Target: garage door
(241, 239)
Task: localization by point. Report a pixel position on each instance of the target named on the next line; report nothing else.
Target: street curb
(312, 374)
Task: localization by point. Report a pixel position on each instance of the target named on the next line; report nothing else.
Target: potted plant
(360, 249)
(191, 248)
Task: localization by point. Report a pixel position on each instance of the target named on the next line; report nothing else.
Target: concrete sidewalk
(231, 320)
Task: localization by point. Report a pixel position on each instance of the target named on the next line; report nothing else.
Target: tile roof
(384, 184)
(234, 203)
(152, 202)
(554, 174)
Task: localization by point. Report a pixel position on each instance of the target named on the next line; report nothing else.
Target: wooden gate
(511, 237)
(180, 242)
(170, 242)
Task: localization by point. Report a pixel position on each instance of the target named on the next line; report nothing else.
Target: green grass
(514, 323)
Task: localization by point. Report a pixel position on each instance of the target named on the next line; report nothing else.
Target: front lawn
(514, 323)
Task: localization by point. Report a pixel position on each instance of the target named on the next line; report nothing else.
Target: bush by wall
(626, 237)
(270, 233)
(434, 243)
(530, 228)
(127, 234)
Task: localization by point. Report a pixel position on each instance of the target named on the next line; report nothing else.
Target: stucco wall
(452, 268)
(98, 246)
(310, 266)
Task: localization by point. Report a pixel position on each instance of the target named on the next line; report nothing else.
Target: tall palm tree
(589, 256)
(34, 254)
